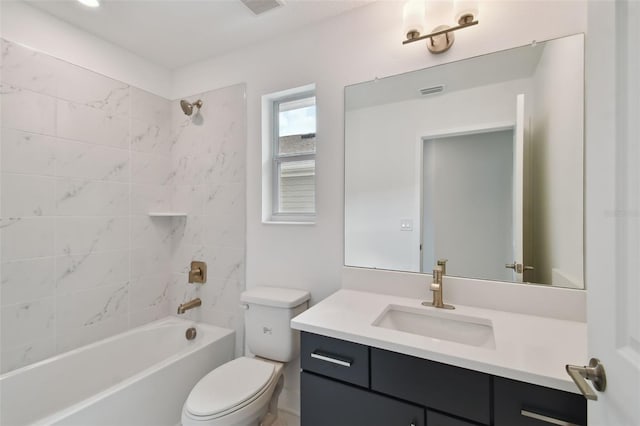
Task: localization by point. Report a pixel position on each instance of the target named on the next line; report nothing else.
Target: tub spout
(189, 305)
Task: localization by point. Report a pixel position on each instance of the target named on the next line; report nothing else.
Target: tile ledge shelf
(167, 214)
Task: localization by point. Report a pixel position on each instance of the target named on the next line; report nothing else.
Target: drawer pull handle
(546, 419)
(330, 359)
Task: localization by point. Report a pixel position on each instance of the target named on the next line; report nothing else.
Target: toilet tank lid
(275, 296)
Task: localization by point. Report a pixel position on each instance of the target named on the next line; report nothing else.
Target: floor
(287, 419)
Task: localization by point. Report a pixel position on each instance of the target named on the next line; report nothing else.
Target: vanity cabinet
(530, 405)
(348, 384)
(333, 403)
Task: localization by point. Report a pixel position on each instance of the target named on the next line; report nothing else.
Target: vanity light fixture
(90, 3)
(441, 37)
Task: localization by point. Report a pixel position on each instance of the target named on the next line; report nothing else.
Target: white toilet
(245, 391)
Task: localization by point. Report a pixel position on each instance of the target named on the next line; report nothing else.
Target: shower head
(187, 107)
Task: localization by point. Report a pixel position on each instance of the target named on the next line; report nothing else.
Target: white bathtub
(140, 377)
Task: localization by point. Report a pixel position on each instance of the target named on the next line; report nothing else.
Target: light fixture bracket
(442, 37)
(440, 43)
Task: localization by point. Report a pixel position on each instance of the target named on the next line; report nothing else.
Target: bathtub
(140, 377)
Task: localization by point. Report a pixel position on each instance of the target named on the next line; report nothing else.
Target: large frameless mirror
(479, 162)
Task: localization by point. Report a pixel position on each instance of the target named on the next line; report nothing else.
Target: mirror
(479, 162)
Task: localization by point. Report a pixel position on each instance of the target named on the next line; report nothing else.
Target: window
(293, 165)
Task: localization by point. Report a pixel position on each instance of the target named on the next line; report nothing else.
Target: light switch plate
(406, 224)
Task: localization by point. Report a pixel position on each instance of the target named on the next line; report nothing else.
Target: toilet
(245, 391)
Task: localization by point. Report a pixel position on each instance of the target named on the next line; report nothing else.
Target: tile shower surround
(84, 158)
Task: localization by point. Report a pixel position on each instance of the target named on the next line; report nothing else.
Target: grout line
(55, 231)
(129, 137)
(94, 144)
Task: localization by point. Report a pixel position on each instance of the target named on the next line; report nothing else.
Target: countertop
(528, 348)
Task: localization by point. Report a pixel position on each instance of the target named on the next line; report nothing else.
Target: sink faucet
(443, 264)
(436, 288)
(184, 307)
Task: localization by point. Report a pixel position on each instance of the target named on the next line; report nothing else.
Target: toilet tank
(268, 314)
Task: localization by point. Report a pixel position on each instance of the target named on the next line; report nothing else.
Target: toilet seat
(229, 388)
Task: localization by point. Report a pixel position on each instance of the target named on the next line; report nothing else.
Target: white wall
(558, 153)
(42, 32)
(354, 47)
(384, 173)
(351, 48)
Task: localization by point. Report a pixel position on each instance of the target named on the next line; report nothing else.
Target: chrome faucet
(184, 307)
(436, 288)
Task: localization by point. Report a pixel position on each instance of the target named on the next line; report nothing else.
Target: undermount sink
(438, 324)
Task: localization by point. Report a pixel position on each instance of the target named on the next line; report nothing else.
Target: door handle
(594, 372)
(519, 267)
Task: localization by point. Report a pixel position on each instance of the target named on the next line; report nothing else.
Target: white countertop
(528, 348)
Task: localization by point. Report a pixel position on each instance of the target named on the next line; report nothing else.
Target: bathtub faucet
(189, 305)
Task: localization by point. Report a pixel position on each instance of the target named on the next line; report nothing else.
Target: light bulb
(437, 13)
(90, 3)
(465, 11)
(413, 18)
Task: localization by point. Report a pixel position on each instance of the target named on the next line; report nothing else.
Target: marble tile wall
(84, 158)
(208, 182)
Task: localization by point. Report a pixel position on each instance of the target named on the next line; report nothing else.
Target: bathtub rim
(221, 333)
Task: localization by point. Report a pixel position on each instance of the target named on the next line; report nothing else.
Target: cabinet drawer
(438, 419)
(518, 403)
(463, 393)
(335, 358)
(328, 402)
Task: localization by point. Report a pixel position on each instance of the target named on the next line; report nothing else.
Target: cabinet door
(439, 419)
(457, 391)
(524, 404)
(327, 402)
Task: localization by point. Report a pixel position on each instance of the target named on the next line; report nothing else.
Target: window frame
(277, 159)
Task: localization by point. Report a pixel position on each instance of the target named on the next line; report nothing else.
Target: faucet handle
(198, 272)
(437, 274)
(443, 264)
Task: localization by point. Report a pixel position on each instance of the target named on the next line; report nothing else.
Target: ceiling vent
(432, 90)
(261, 6)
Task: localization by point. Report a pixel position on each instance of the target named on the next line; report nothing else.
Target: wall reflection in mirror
(478, 161)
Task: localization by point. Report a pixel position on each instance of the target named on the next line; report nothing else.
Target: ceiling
(175, 33)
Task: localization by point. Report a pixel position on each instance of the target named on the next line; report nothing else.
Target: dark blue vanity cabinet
(348, 384)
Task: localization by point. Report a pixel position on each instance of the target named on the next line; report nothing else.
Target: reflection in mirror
(478, 161)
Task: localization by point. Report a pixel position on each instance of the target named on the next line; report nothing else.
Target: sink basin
(438, 324)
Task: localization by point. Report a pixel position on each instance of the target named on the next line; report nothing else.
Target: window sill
(289, 222)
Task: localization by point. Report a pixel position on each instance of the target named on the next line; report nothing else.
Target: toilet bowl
(239, 393)
(245, 391)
